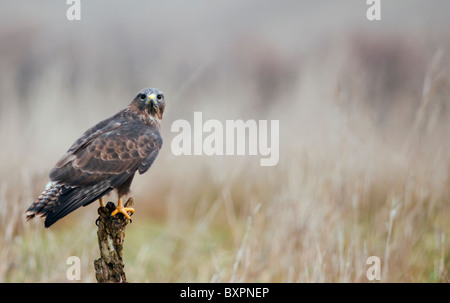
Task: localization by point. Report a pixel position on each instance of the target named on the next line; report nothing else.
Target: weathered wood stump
(109, 268)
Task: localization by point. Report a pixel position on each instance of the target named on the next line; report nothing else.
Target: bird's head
(152, 101)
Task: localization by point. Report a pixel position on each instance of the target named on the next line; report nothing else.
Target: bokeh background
(364, 137)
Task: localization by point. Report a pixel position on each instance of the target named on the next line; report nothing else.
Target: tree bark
(109, 268)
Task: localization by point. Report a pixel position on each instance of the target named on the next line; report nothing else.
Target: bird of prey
(104, 158)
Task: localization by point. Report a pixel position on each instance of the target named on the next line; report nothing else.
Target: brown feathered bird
(104, 158)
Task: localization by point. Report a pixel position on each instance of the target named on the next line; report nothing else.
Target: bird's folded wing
(112, 154)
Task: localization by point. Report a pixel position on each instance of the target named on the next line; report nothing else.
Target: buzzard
(104, 158)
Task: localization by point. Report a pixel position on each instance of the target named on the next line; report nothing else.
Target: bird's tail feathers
(45, 202)
(58, 200)
(72, 198)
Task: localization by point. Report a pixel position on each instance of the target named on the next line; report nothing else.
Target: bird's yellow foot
(123, 210)
(101, 202)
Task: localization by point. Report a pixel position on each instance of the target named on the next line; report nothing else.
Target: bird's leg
(121, 209)
(101, 202)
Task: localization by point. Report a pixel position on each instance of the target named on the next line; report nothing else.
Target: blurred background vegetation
(364, 137)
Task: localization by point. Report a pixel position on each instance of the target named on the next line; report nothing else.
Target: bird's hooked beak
(152, 99)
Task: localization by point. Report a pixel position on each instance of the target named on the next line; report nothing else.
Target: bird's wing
(94, 132)
(110, 153)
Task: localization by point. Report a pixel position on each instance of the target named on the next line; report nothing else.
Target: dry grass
(364, 153)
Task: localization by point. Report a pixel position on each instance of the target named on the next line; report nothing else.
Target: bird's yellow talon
(122, 210)
(101, 202)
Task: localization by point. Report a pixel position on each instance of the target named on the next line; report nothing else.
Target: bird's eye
(142, 97)
(159, 96)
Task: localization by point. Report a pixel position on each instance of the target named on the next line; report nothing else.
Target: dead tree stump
(109, 268)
